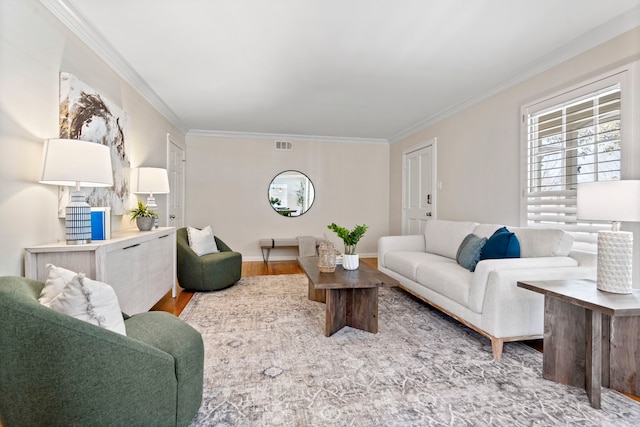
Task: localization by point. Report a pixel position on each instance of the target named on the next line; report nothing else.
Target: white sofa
(488, 299)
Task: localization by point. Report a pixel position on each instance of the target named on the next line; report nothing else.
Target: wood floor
(252, 268)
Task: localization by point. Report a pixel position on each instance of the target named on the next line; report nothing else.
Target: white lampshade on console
(616, 201)
(150, 181)
(74, 163)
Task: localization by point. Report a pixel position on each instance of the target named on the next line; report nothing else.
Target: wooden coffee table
(351, 296)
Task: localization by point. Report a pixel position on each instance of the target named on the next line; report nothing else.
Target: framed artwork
(87, 116)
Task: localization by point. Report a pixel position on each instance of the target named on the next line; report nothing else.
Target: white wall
(34, 48)
(228, 181)
(479, 148)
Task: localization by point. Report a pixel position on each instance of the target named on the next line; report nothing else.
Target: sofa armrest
(586, 260)
(509, 310)
(222, 246)
(414, 242)
(494, 285)
(544, 267)
(173, 336)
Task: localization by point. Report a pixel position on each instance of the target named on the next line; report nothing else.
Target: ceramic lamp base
(615, 260)
(78, 220)
(151, 204)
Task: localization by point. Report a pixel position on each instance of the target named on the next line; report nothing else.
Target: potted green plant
(144, 216)
(350, 238)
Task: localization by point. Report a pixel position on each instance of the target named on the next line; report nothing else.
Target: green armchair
(60, 371)
(208, 272)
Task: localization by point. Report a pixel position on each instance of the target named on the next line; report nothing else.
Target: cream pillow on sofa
(76, 295)
(57, 279)
(92, 301)
(202, 242)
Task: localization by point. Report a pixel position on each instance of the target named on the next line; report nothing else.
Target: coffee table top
(364, 277)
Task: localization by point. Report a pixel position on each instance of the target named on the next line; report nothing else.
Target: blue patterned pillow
(469, 251)
(502, 244)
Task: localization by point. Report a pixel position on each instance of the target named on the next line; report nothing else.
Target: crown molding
(79, 25)
(282, 136)
(590, 39)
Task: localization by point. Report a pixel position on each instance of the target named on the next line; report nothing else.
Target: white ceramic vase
(350, 262)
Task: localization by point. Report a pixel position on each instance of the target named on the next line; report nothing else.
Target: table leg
(316, 294)
(336, 311)
(593, 374)
(362, 309)
(625, 354)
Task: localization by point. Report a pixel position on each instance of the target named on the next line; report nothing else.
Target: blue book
(100, 223)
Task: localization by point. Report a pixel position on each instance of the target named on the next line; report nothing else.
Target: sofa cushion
(448, 279)
(444, 237)
(486, 230)
(406, 262)
(543, 242)
(469, 251)
(502, 244)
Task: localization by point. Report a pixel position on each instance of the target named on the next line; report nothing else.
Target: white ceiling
(370, 69)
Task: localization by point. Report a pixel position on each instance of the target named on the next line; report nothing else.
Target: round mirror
(291, 193)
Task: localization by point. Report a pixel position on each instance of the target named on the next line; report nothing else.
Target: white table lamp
(150, 181)
(74, 163)
(616, 201)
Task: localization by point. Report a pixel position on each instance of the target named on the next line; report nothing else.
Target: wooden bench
(279, 243)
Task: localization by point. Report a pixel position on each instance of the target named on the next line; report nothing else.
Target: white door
(176, 170)
(418, 187)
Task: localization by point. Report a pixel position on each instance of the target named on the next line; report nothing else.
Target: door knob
(428, 213)
(172, 217)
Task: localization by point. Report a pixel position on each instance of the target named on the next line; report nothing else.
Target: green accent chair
(56, 370)
(208, 272)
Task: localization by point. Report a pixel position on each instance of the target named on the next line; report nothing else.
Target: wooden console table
(591, 337)
(140, 266)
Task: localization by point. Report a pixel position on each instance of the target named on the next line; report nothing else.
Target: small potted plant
(350, 238)
(145, 217)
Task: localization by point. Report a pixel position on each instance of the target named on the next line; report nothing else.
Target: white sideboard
(139, 265)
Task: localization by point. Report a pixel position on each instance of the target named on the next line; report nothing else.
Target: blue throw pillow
(469, 251)
(502, 244)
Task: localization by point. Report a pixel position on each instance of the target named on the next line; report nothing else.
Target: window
(572, 138)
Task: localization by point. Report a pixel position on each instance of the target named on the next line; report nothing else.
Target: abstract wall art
(87, 116)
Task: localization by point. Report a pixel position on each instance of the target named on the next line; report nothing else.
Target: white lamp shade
(149, 180)
(609, 201)
(70, 162)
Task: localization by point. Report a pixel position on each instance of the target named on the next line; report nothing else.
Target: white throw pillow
(92, 301)
(57, 279)
(202, 241)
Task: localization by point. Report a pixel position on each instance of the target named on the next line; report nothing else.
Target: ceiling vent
(284, 146)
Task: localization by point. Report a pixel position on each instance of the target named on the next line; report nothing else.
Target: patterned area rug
(268, 363)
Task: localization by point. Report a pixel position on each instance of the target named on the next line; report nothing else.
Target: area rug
(268, 363)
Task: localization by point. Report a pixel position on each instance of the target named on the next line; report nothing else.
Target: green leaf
(350, 238)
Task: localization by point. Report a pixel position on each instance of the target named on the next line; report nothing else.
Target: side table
(591, 337)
